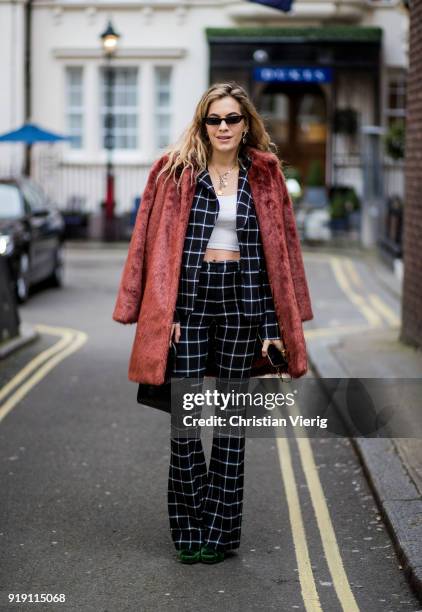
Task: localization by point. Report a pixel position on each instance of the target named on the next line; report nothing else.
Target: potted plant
(344, 208)
(394, 139)
(345, 121)
(315, 194)
(338, 213)
(315, 174)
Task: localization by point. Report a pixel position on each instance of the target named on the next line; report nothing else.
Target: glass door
(296, 118)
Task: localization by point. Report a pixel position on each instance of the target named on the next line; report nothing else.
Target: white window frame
(395, 112)
(135, 110)
(77, 110)
(166, 111)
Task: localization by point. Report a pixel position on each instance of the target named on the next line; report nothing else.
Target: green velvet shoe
(189, 556)
(210, 555)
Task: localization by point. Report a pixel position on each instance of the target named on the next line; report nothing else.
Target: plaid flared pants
(205, 506)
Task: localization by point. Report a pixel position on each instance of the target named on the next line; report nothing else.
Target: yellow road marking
(67, 336)
(370, 315)
(353, 273)
(346, 275)
(77, 340)
(325, 526)
(384, 310)
(375, 300)
(306, 575)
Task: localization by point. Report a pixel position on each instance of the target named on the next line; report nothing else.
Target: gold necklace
(223, 179)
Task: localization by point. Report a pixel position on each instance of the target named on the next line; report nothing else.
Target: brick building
(412, 282)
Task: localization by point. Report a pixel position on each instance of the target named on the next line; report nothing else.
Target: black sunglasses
(230, 120)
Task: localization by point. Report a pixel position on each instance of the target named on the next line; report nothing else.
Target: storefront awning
(331, 46)
(325, 33)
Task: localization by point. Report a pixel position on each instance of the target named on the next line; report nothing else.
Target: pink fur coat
(149, 283)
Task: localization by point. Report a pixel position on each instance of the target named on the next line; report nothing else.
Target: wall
(67, 32)
(412, 285)
(12, 79)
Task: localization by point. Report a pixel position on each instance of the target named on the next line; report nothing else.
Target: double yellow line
(371, 306)
(376, 312)
(326, 530)
(71, 340)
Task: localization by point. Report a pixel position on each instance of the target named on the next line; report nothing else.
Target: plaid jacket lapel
(243, 200)
(204, 178)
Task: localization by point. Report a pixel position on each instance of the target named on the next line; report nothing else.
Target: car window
(34, 197)
(10, 202)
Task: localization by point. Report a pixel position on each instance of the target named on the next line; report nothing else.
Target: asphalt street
(84, 470)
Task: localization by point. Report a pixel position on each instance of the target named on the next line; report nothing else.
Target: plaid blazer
(257, 299)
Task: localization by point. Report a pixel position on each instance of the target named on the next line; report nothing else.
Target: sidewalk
(27, 334)
(393, 466)
(94, 245)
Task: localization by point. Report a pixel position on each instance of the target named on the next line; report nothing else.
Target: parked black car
(31, 235)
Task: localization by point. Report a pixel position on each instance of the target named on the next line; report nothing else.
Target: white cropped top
(224, 234)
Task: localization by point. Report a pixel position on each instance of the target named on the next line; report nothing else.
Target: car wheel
(22, 280)
(58, 272)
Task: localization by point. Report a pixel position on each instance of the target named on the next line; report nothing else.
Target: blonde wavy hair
(193, 149)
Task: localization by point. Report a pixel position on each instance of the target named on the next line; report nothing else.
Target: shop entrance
(295, 116)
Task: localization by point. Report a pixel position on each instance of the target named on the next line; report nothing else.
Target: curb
(27, 334)
(397, 497)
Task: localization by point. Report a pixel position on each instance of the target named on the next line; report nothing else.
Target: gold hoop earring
(244, 137)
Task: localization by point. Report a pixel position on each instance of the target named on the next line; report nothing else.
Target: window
(74, 105)
(311, 119)
(162, 106)
(119, 100)
(34, 196)
(396, 99)
(10, 202)
(275, 111)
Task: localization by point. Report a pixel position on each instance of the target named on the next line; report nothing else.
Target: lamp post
(109, 40)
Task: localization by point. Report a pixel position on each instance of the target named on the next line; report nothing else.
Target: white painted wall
(70, 36)
(12, 80)
(66, 32)
(393, 18)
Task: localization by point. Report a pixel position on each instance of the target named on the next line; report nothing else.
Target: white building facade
(162, 66)
(12, 66)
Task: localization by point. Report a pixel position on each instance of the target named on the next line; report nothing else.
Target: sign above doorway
(292, 74)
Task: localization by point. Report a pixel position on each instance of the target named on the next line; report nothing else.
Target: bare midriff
(221, 255)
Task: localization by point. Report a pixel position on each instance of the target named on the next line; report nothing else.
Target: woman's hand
(266, 343)
(175, 331)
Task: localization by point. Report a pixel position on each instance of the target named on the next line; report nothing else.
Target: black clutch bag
(159, 396)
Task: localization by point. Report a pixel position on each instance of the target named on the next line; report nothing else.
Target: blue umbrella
(31, 133)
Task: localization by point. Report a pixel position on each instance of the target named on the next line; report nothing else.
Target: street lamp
(109, 40)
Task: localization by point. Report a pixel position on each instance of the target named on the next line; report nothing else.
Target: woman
(214, 253)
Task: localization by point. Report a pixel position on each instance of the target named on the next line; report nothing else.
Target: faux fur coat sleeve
(129, 296)
(295, 253)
